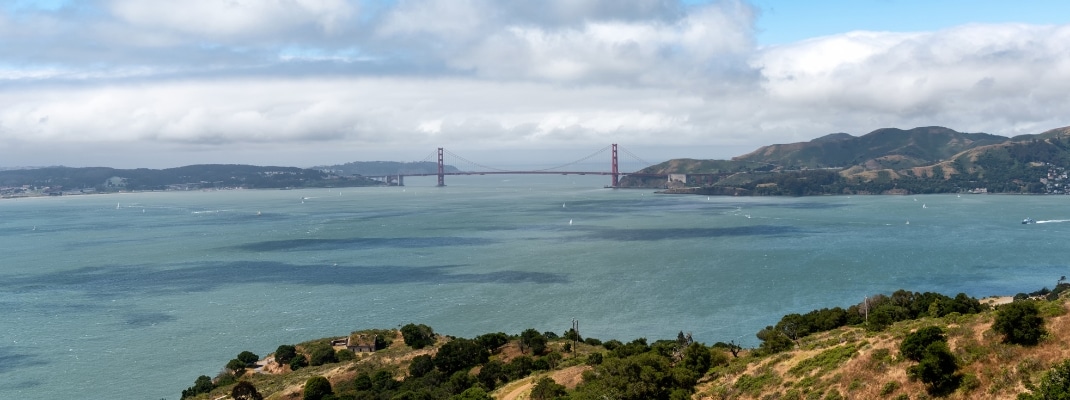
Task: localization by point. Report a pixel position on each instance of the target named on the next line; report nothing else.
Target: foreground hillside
(862, 361)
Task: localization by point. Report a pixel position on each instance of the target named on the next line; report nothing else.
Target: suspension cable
(603, 150)
(636, 157)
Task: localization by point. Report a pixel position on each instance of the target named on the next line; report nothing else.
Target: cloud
(233, 20)
(311, 76)
(972, 72)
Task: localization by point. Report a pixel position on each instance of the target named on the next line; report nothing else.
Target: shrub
(1020, 323)
(316, 388)
(1055, 384)
(913, 346)
(344, 355)
(937, 369)
(248, 357)
(547, 389)
(889, 388)
(284, 353)
(245, 391)
(418, 336)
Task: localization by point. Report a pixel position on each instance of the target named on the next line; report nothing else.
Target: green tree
(236, 366)
(773, 340)
(284, 353)
(1054, 385)
(248, 357)
(640, 377)
(547, 389)
(418, 336)
(697, 358)
(344, 355)
(316, 388)
(1020, 323)
(533, 340)
(914, 345)
(245, 391)
(493, 341)
(937, 369)
(472, 393)
(491, 373)
(460, 354)
(421, 365)
(297, 362)
(203, 384)
(320, 354)
(363, 381)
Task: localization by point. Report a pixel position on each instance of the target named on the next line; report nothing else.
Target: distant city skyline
(158, 84)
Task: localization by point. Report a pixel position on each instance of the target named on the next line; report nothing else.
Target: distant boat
(570, 222)
(116, 206)
(924, 206)
(1028, 221)
(562, 205)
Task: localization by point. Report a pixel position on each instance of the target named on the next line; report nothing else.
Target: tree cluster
(876, 313)
(937, 366)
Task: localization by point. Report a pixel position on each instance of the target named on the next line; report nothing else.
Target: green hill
(878, 349)
(885, 161)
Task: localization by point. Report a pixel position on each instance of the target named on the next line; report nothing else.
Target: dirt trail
(569, 377)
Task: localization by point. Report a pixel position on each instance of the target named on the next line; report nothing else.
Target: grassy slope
(849, 361)
(865, 365)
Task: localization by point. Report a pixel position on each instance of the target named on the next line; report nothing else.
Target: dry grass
(990, 368)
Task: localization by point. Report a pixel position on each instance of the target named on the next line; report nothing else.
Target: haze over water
(133, 296)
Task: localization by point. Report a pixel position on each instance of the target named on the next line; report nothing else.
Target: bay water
(132, 296)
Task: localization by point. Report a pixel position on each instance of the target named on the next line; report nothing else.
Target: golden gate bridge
(614, 169)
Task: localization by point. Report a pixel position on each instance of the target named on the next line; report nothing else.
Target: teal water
(132, 296)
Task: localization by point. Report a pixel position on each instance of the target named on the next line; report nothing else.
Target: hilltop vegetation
(208, 176)
(906, 345)
(885, 161)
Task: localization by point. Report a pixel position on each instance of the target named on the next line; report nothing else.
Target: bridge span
(614, 172)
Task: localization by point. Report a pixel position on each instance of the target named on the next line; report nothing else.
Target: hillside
(841, 363)
(57, 180)
(885, 161)
(914, 147)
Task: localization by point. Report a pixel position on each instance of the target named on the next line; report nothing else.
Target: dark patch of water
(362, 243)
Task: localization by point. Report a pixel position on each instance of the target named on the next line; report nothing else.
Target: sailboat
(116, 206)
(570, 222)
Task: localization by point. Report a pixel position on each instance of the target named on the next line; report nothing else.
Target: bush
(421, 365)
(460, 354)
(594, 359)
(321, 353)
(547, 389)
(297, 362)
(1055, 384)
(344, 355)
(937, 369)
(1020, 323)
(248, 357)
(913, 346)
(203, 384)
(245, 391)
(493, 341)
(284, 353)
(316, 388)
(418, 336)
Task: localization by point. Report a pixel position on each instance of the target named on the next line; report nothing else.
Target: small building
(361, 343)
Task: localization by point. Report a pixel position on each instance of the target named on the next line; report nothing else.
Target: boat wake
(1051, 221)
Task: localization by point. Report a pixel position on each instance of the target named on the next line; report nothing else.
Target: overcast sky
(164, 83)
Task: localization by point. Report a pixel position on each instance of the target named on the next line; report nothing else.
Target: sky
(163, 83)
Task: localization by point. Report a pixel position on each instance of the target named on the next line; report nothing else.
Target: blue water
(132, 296)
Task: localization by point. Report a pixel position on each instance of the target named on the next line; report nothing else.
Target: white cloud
(970, 77)
(309, 77)
(227, 20)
